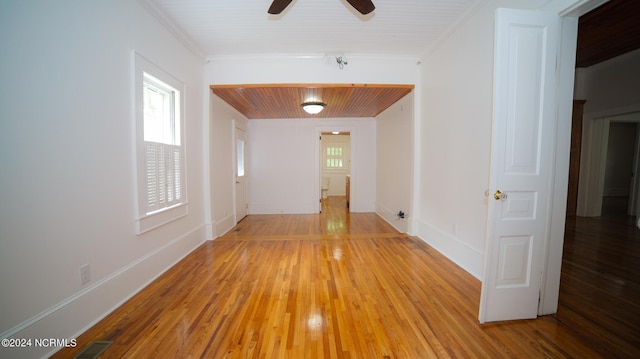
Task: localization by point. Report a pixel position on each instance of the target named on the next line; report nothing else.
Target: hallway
(330, 285)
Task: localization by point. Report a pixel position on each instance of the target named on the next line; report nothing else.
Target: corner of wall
(223, 226)
(389, 216)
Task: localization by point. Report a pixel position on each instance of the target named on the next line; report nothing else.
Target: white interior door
(523, 147)
(241, 174)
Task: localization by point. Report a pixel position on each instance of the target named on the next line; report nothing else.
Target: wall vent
(94, 350)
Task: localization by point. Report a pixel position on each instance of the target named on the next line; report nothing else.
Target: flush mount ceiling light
(313, 108)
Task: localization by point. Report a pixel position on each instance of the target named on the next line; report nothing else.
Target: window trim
(147, 221)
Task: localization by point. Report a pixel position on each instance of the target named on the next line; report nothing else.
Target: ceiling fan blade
(363, 6)
(277, 6)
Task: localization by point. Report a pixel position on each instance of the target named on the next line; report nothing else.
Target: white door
(523, 147)
(241, 174)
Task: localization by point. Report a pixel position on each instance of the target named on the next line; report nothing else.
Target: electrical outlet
(85, 274)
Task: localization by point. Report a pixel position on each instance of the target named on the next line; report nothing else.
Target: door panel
(520, 206)
(523, 146)
(514, 261)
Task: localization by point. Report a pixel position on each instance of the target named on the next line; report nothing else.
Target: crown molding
(174, 29)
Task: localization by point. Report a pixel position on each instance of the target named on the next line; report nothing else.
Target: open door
(523, 149)
(241, 174)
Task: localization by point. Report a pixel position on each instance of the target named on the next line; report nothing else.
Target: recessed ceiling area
(273, 101)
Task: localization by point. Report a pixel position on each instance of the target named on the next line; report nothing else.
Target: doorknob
(499, 195)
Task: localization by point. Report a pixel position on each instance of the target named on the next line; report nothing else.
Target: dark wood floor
(340, 285)
(600, 283)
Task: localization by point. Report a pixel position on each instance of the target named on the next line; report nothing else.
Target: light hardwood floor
(334, 285)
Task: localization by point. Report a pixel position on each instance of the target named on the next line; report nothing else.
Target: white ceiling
(234, 27)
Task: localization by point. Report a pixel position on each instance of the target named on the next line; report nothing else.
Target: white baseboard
(223, 226)
(285, 207)
(74, 315)
(389, 216)
(470, 259)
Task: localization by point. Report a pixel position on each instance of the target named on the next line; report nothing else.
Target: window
(163, 152)
(334, 157)
(160, 146)
(240, 157)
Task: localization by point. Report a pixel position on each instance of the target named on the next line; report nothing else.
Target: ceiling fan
(363, 6)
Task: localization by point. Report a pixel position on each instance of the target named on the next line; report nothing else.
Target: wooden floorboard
(600, 282)
(317, 286)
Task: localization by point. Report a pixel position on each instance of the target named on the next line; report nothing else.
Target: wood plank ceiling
(608, 31)
(272, 101)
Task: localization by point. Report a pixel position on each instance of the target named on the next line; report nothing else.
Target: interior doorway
(599, 270)
(613, 150)
(335, 165)
(240, 189)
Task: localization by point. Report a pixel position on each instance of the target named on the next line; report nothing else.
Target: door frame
(594, 157)
(318, 165)
(569, 13)
(234, 163)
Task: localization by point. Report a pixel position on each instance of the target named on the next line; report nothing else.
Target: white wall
(67, 157)
(456, 105)
(394, 162)
(284, 164)
(311, 68)
(611, 85)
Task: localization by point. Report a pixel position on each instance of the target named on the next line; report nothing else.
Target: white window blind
(164, 179)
